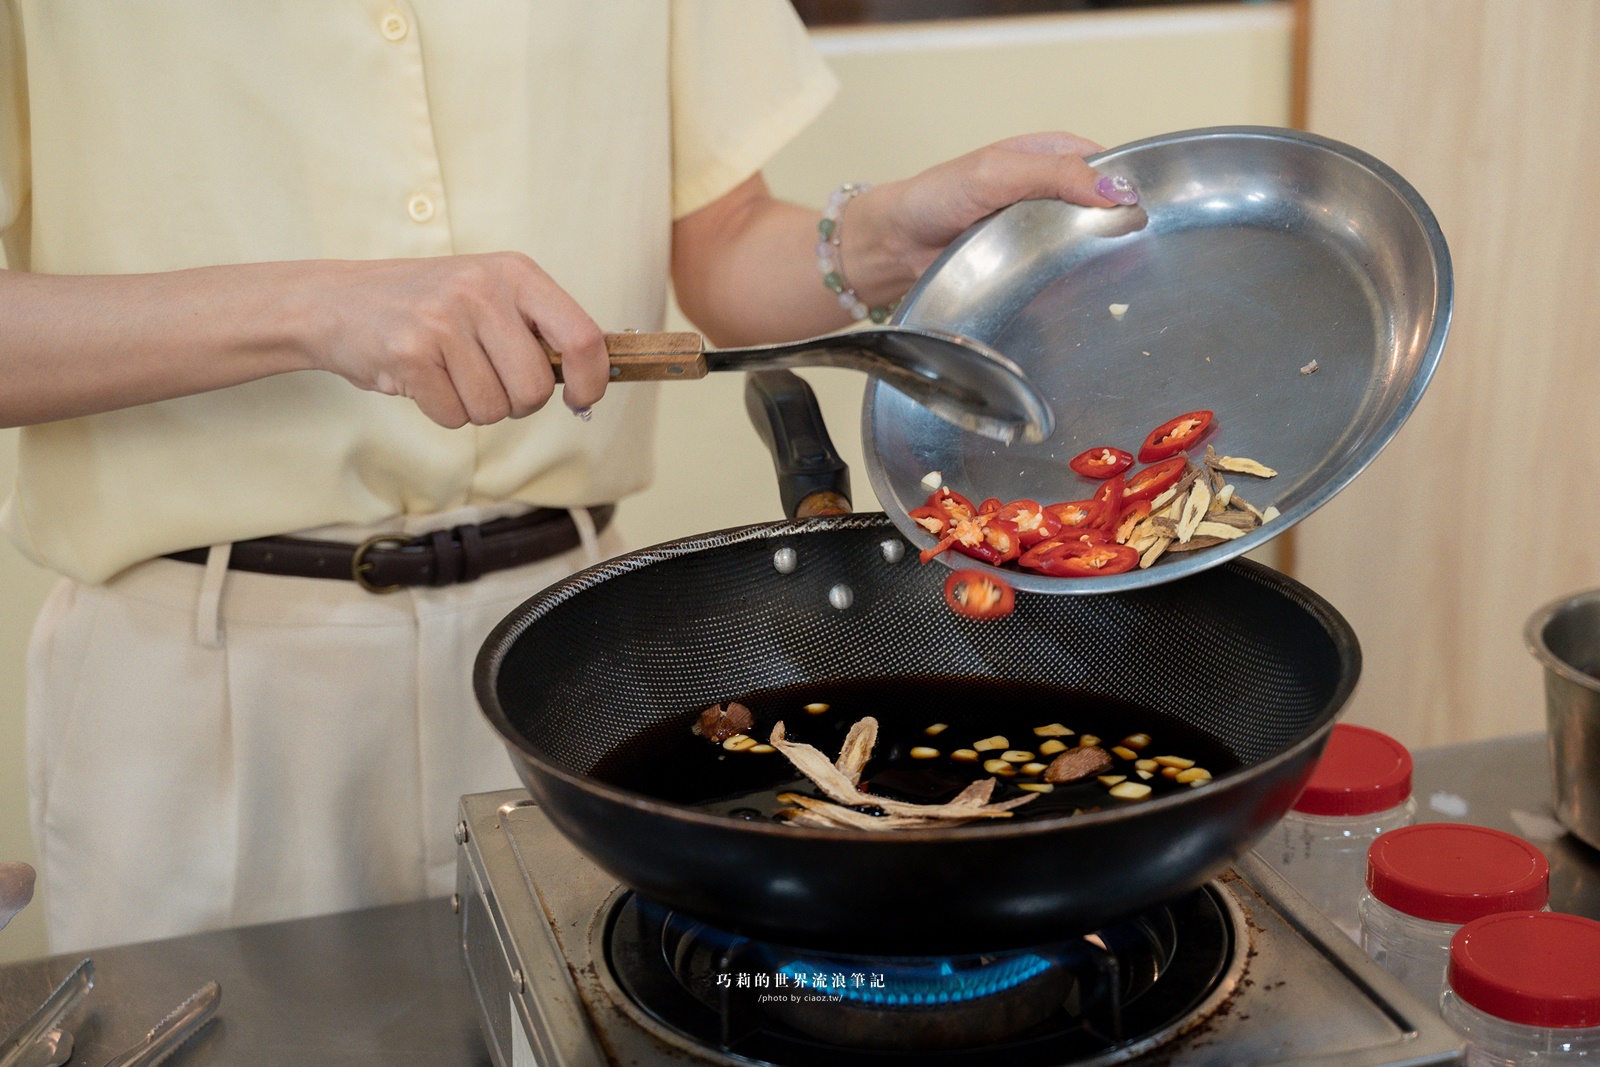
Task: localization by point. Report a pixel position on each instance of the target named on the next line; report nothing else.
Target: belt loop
(446, 558)
(586, 534)
(208, 606)
(471, 540)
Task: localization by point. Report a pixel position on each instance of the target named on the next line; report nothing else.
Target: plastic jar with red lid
(1524, 989)
(1425, 882)
(1361, 788)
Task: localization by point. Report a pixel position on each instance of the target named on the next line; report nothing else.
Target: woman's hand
(16, 889)
(457, 335)
(892, 232)
(743, 265)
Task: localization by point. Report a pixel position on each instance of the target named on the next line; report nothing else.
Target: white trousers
(211, 748)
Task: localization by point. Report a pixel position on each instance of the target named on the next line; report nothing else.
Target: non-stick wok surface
(632, 646)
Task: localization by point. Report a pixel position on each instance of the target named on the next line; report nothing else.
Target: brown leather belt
(388, 562)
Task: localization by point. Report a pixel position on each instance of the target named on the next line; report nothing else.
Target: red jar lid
(1361, 771)
(1537, 968)
(1453, 873)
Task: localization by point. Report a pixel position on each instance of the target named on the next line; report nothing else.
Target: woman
(276, 280)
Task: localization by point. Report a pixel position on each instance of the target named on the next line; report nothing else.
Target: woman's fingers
(1051, 142)
(16, 889)
(1000, 175)
(457, 336)
(568, 329)
(477, 381)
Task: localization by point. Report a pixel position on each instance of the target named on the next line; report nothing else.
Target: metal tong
(40, 1041)
(182, 1023)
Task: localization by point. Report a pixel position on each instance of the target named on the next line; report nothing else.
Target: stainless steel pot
(1564, 636)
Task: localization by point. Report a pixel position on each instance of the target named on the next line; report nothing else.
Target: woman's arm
(454, 334)
(745, 266)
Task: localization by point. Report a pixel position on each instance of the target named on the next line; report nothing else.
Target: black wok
(1252, 659)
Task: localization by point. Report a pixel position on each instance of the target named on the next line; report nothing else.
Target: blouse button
(420, 208)
(394, 26)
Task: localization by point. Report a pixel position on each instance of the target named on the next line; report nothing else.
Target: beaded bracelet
(829, 261)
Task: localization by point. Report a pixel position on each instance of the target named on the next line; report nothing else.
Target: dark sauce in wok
(671, 763)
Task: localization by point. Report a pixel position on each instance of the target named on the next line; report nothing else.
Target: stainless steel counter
(386, 985)
(377, 986)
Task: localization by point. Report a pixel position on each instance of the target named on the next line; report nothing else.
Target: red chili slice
(951, 503)
(998, 542)
(1131, 516)
(1109, 496)
(1150, 482)
(1034, 558)
(990, 505)
(1101, 462)
(1077, 513)
(1033, 522)
(978, 595)
(1080, 559)
(1174, 435)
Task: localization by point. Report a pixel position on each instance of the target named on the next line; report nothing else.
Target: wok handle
(812, 478)
(646, 357)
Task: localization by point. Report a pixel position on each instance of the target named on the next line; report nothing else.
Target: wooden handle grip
(646, 357)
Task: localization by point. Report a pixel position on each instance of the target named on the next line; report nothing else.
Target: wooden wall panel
(1488, 502)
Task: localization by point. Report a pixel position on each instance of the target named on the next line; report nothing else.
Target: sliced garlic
(924, 752)
(1175, 761)
(965, 755)
(1112, 779)
(1051, 747)
(1055, 729)
(936, 729)
(988, 743)
(1033, 768)
(1017, 755)
(1036, 787)
(816, 709)
(1124, 753)
(932, 480)
(1193, 774)
(1117, 310)
(1130, 791)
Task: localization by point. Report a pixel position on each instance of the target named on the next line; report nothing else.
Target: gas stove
(571, 970)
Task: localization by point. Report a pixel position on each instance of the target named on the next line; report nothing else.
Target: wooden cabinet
(1487, 504)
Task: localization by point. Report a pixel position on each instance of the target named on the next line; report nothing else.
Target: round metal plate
(1252, 252)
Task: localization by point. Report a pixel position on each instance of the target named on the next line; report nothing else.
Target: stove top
(571, 970)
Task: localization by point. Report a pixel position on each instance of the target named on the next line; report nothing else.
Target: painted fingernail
(1117, 188)
(583, 413)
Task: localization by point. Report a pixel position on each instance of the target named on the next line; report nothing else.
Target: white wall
(912, 96)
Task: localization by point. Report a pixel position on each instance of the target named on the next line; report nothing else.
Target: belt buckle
(359, 566)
